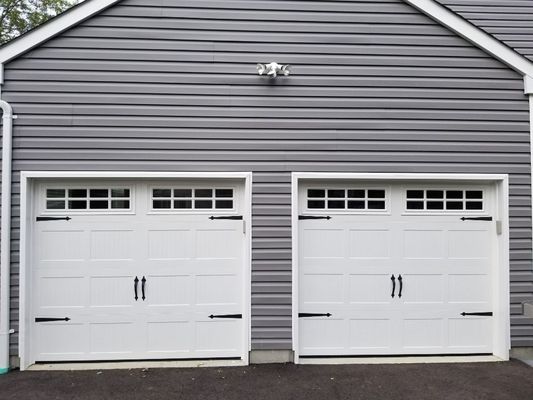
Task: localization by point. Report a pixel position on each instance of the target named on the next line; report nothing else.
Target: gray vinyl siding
(171, 86)
(510, 21)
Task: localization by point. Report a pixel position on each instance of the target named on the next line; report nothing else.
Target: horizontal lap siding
(171, 86)
(510, 21)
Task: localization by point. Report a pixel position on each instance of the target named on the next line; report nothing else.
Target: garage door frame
(27, 183)
(502, 331)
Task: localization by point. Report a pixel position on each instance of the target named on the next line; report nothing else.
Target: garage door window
(444, 200)
(346, 199)
(88, 199)
(192, 199)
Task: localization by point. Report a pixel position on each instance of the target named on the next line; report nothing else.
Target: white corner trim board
(474, 35)
(55, 26)
(528, 84)
(5, 235)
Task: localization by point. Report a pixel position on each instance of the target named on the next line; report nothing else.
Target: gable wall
(171, 86)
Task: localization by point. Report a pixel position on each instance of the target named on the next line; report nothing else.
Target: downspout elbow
(5, 234)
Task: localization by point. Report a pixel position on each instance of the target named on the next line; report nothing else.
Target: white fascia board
(52, 28)
(474, 35)
(528, 84)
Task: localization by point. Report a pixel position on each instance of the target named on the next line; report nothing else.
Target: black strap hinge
(304, 217)
(476, 218)
(477, 314)
(66, 319)
(230, 217)
(227, 316)
(41, 219)
(309, 315)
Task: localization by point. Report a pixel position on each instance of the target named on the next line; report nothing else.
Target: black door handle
(401, 285)
(393, 279)
(135, 284)
(142, 287)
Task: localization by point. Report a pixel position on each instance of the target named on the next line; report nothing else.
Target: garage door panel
(218, 244)
(170, 336)
(218, 337)
(61, 292)
(441, 265)
(118, 338)
(213, 290)
(113, 245)
(169, 290)
(111, 291)
(63, 246)
(60, 340)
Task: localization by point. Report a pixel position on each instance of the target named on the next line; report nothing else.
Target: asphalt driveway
(479, 381)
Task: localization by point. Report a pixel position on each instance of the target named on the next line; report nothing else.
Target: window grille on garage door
(192, 199)
(444, 200)
(88, 199)
(347, 199)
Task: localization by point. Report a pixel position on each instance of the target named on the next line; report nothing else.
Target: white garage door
(396, 269)
(134, 270)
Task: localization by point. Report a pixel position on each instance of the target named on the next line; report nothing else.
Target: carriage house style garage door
(396, 268)
(139, 270)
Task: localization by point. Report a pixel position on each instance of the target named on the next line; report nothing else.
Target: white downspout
(5, 232)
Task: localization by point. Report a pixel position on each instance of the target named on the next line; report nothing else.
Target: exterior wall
(508, 21)
(171, 86)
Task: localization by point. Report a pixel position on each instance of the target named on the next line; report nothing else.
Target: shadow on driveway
(476, 381)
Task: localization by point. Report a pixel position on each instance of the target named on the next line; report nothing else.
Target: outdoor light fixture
(273, 69)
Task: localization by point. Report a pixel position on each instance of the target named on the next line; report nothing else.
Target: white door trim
(27, 179)
(502, 322)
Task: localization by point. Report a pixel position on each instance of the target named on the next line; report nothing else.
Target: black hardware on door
(41, 219)
(401, 285)
(477, 314)
(476, 218)
(135, 284)
(66, 319)
(230, 217)
(142, 287)
(393, 279)
(309, 315)
(304, 217)
(227, 316)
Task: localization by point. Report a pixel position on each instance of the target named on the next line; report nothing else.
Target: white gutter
(5, 232)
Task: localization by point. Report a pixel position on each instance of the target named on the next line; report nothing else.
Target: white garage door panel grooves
(189, 266)
(351, 265)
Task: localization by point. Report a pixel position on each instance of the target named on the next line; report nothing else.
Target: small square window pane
(203, 204)
(415, 194)
(336, 194)
(316, 193)
(120, 204)
(435, 205)
(77, 193)
(415, 205)
(182, 204)
(77, 205)
(224, 193)
(376, 194)
(159, 193)
(99, 193)
(316, 204)
(55, 193)
(356, 204)
(454, 194)
(98, 205)
(454, 205)
(161, 204)
(474, 194)
(183, 193)
(55, 205)
(228, 204)
(336, 204)
(435, 194)
(376, 205)
(120, 193)
(203, 193)
(356, 194)
(474, 205)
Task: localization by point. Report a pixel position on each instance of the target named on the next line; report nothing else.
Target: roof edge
(474, 35)
(52, 28)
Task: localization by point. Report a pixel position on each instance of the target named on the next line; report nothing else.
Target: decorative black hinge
(40, 219)
(52, 319)
(230, 217)
(476, 218)
(303, 217)
(308, 315)
(477, 314)
(227, 316)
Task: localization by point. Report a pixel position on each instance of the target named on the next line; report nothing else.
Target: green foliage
(19, 16)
